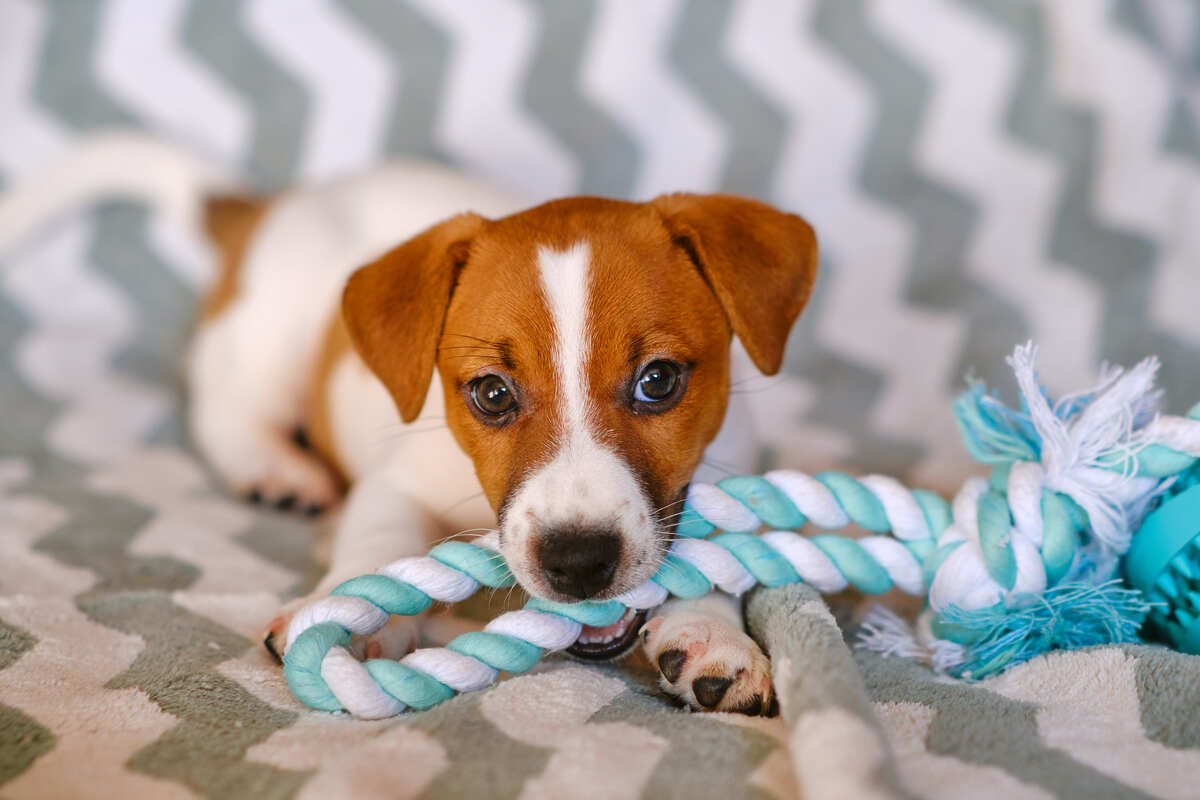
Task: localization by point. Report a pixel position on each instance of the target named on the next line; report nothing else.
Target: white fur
(248, 368)
(565, 283)
(585, 484)
(709, 630)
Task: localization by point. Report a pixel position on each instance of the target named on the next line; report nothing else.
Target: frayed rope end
(886, 632)
(978, 644)
(1066, 617)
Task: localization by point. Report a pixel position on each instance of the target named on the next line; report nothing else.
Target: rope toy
(1014, 566)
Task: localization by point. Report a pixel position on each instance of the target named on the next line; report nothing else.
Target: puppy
(556, 372)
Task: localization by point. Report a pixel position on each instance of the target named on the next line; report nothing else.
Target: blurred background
(980, 172)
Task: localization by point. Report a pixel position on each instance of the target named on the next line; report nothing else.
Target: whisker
(467, 531)
(393, 437)
(392, 426)
(495, 364)
(668, 505)
(712, 460)
(511, 589)
(719, 467)
(466, 499)
(469, 336)
(470, 351)
(670, 568)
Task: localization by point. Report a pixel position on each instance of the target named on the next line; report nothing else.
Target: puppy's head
(583, 347)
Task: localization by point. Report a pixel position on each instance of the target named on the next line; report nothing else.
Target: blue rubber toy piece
(1164, 563)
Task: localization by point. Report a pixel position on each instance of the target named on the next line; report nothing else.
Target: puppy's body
(266, 360)
(540, 297)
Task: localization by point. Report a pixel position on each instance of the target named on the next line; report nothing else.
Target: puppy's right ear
(395, 307)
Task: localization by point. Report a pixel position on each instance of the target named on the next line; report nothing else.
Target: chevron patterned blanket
(981, 172)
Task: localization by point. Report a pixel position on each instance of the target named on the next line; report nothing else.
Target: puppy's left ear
(760, 262)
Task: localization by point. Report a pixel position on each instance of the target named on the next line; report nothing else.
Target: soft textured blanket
(132, 596)
(980, 172)
(132, 593)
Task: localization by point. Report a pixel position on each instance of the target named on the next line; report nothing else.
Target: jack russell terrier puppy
(556, 372)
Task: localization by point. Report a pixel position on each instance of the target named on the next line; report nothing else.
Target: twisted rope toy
(1070, 485)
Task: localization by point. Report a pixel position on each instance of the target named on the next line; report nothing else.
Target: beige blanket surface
(980, 172)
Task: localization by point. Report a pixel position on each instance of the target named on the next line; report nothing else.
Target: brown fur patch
(643, 289)
(229, 222)
(760, 262)
(649, 299)
(648, 303)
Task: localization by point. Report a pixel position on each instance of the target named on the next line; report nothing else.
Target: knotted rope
(1069, 486)
(323, 673)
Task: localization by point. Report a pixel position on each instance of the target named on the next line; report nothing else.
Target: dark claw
(254, 496)
(752, 707)
(300, 437)
(286, 502)
(710, 689)
(313, 509)
(773, 709)
(269, 643)
(670, 664)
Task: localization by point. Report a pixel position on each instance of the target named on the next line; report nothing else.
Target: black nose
(579, 563)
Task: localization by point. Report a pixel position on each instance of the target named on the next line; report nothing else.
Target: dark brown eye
(657, 382)
(492, 395)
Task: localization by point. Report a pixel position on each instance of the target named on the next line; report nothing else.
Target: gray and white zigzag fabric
(980, 172)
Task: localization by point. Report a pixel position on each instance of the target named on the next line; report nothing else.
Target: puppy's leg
(704, 657)
(380, 523)
(243, 424)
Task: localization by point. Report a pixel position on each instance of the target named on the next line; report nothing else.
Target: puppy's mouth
(611, 641)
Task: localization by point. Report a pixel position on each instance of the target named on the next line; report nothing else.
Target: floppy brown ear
(759, 261)
(395, 307)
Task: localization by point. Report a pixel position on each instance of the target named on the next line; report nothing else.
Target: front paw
(394, 640)
(709, 665)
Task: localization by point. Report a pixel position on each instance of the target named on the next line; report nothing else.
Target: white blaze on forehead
(586, 483)
(565, 277)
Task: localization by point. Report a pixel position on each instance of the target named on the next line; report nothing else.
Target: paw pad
(709, 664)
(670, 664)
(269, 643)
(709, 690)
